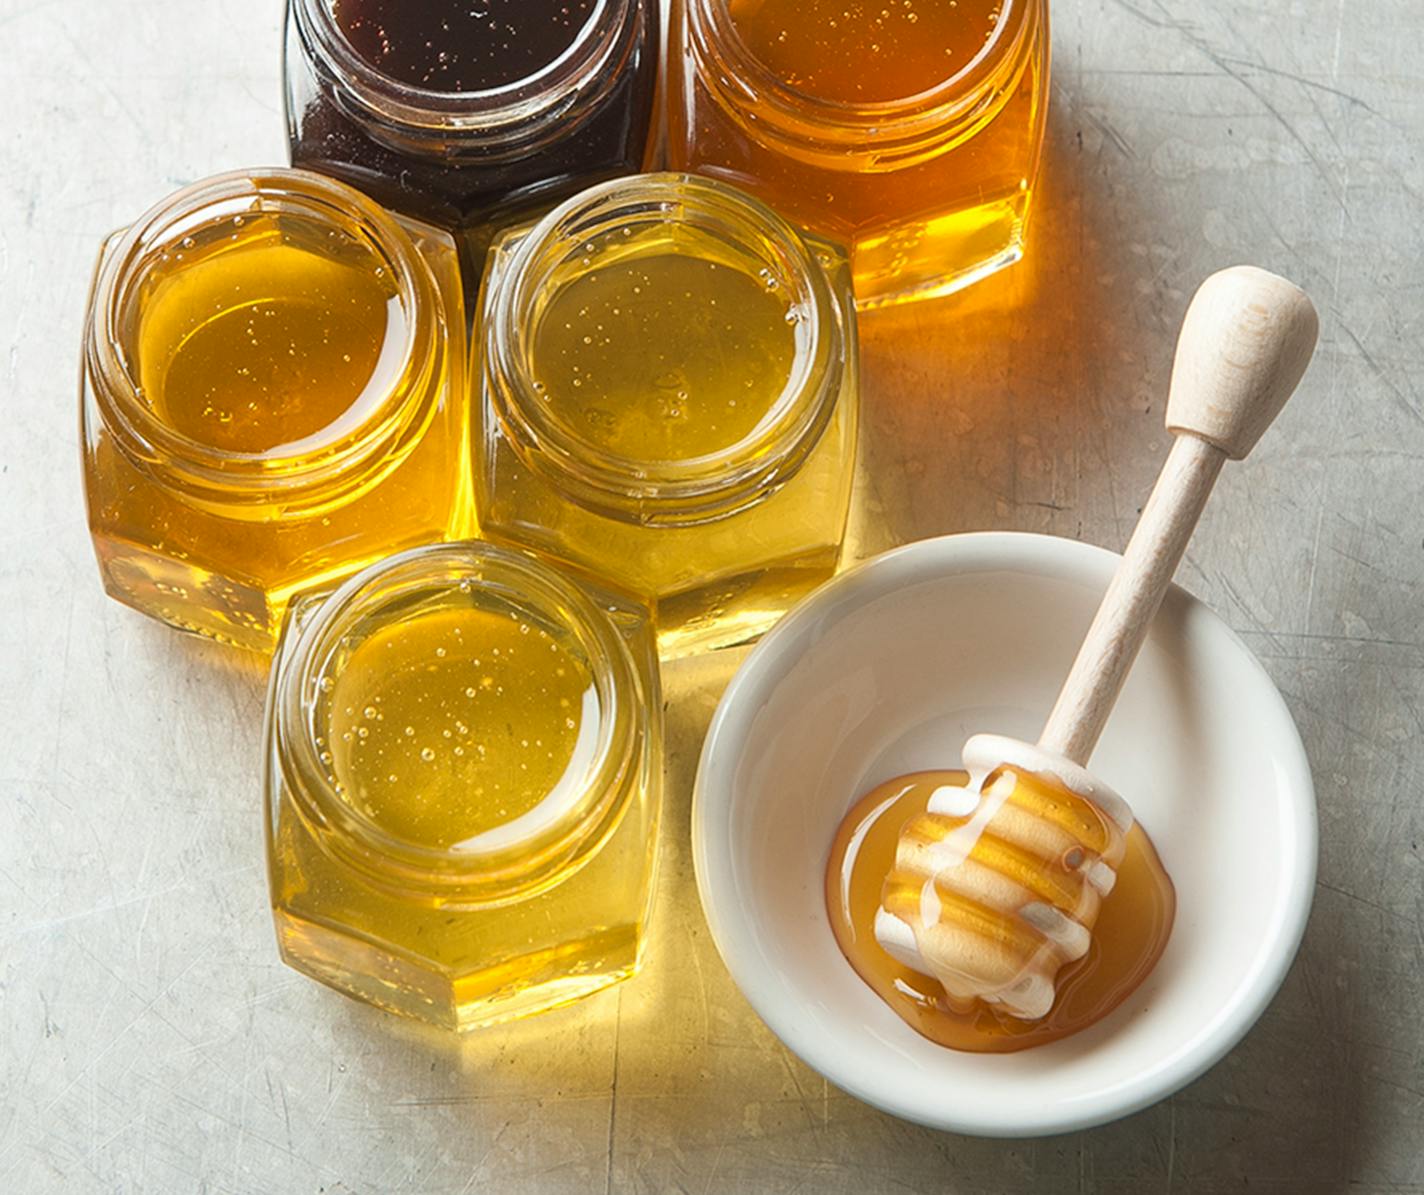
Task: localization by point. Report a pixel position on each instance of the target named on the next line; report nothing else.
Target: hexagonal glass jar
(463, 779)
(910, 133)
(273, 395)
(471, 133)
(668, 399)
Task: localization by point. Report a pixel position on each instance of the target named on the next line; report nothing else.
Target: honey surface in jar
(266, 345)
(457, 725)
(1128, 938)
(665, 357)
(457, 46)
(908, 129)
(865, 51)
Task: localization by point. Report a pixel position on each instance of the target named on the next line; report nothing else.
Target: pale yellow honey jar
(668, 395)
(463, 784)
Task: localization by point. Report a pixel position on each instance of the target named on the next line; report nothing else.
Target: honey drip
(1131, 931)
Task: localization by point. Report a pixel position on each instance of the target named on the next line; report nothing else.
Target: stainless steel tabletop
(150, 1041)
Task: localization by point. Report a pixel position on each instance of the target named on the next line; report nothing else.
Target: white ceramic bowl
(888, 669)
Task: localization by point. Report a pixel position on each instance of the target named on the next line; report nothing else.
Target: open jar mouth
(171, 228)
(883, 134)
(609, 220)
(580, 75)
(495, 868)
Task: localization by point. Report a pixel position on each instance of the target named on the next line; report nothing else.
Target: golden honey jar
(273, 395)
(667, 399)
(463, 759)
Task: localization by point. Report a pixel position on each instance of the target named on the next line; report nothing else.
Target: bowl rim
(944, 556)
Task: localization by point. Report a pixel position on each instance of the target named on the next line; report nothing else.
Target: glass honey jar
(910, 130)
(668, 401)
(463, 778)
(452, 111)
(273, 396)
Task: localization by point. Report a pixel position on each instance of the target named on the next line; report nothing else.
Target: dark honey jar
(453, 112)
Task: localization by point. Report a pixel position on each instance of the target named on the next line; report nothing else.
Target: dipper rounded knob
(1245, 343)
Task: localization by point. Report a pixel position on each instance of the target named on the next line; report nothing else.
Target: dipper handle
(1245, 344)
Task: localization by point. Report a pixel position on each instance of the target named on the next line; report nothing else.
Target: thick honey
(463, 786)
(461, 113)
(669, 399)
(456, 46)
(273, 397)
(909, 129)
(1128, 938)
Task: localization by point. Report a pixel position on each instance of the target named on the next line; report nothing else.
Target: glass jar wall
(273, 395)
(463, 783)
(910, 131)
(454, 112)
(668, 381)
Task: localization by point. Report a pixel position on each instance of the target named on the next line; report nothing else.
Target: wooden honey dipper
(998, 885)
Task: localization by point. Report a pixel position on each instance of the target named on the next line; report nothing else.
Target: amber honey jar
(454, 112)
(668, 401)
(273, 396)
(908, 129)
(463, 784)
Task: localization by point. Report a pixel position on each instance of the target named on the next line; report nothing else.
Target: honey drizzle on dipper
(1130, 935)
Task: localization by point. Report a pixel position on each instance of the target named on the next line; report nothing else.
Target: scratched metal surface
(151, 1042)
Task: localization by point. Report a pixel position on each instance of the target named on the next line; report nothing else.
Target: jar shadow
(1031, 401)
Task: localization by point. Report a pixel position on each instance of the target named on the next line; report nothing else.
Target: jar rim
(193, 465)
(893, 127)
(478, 113)
(503, 870)
(683, 490)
